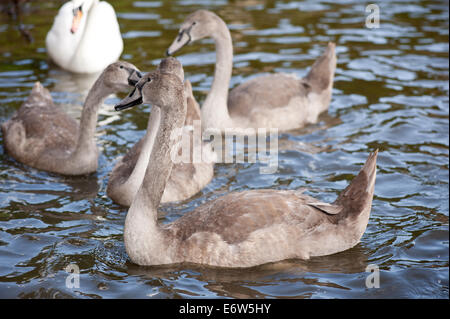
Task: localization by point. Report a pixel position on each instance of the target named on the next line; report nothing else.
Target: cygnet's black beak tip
(124, 106)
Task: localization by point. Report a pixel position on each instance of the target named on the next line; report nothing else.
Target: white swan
(43, 136)
(240, 229)
(85, 36)
(277, 100)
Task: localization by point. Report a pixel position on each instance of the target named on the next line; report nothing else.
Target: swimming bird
(43, 136)
(277, 100)
(85, 36)
(187, 178)
(240, 229)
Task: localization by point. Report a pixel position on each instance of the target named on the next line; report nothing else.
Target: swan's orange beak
(77, 15)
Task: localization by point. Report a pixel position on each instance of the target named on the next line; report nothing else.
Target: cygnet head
(198, 25)
(172, 65)
(165, 90)
(120, 75)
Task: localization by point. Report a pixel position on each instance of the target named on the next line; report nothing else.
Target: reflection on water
(289, 277)
(70, 91)
(391, 92)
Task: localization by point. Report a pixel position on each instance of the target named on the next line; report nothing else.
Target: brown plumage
(43, 136)
(38, 127)
(186, 179)
(257, 94)
(277, 100)
(236, 217)
(243, 99)
(240, 229)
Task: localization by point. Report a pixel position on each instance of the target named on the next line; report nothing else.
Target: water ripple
(390, 92)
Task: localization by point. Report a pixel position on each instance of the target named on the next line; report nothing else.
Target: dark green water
(391, 92)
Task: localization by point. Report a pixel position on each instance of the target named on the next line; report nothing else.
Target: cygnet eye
(121, 66)
(149, 79)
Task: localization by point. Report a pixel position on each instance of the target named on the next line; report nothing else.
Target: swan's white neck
(215, 110)
(86, 20)
(87, 4)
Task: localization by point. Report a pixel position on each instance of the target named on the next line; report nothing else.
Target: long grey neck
(160, 162)
(145, 242)
(215, 109)
(138, 173)
(89, 117)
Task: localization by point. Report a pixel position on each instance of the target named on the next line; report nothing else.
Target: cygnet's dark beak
(134, 98)
(134, 77)
(183, 38)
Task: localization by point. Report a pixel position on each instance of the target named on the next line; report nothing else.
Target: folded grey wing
(326, 208)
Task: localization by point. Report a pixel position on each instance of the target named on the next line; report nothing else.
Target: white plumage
(94, 45)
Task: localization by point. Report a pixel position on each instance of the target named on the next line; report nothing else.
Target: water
(391, 92)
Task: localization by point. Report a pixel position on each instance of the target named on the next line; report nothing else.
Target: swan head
(172, 65)
(84, 4)
(120, 75)
(198, 25)
(157, 88)
(80, 8)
